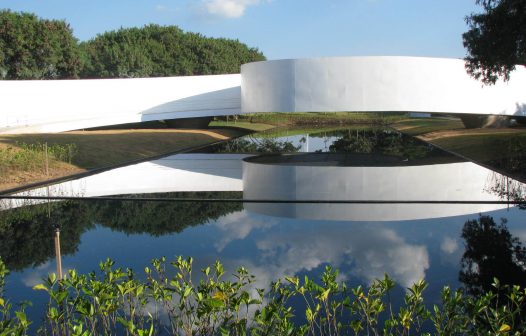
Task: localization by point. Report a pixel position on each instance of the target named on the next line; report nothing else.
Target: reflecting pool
(211, 205)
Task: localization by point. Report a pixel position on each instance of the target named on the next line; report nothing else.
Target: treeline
(35, 48)
(26, 232)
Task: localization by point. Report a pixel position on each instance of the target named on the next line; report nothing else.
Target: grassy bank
(317, 118)
(503, 149)
(243, 125)
(93, 149)
(419, 126)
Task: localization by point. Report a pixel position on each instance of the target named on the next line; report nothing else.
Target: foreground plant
(12, 322)
(169, 299)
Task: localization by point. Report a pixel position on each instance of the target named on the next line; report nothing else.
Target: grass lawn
(418, 126)
(245, 125)
(96, 149)
(484, 147)
(503, 149)
(312, 130)
(312, 118)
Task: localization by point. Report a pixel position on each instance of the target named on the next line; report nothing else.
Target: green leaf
(219, 295)
(309, 315)
(40, 287)
(504, 328)
(52, 278)
(325, 294)
(292, 280)
(215, 303)
(187, 291)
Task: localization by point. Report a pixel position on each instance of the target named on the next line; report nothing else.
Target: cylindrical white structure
(376, 84)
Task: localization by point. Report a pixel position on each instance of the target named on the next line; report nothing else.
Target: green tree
(491, 252)
(34, 48)
(380, 141)
(26, 233)
(496, 40)
(158, 51)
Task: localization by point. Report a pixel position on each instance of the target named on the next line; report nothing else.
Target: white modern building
(356, 84)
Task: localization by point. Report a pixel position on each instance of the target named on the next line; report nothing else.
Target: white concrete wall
(61, 105)
(414, 84)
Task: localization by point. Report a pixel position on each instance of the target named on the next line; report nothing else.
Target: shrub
(169, 300)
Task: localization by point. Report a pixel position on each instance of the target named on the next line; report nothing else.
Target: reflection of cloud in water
(449, 245)
(36, 275)
(451, 250)
(372, 250)
(238, 225)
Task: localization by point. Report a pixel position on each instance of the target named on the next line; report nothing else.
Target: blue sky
(282, 28)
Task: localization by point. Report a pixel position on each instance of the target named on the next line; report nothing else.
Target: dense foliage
(491, 251)
(26, 232)
(170, 301)
(255, 145)
(156, 51)
(496, 40)
(386, 142)
(35, 48)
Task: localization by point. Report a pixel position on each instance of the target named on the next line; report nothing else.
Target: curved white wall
(415, 84)
(61, 105)
(374, 84)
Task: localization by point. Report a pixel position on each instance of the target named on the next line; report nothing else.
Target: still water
(364, 240)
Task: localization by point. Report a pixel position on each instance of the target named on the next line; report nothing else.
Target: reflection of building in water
(175, 173)
(314, 176)
(363, 178)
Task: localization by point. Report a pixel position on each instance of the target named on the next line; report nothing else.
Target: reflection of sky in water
(272, 247)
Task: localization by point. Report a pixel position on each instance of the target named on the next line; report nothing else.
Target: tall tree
(496, 40)
(157, 51)
(33, 48)
(491, 252)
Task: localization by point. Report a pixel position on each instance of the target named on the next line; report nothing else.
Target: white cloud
(451, 249)
(37, 275)
(373, 251)
(449, 245)
(229, 9)
(238, 225)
